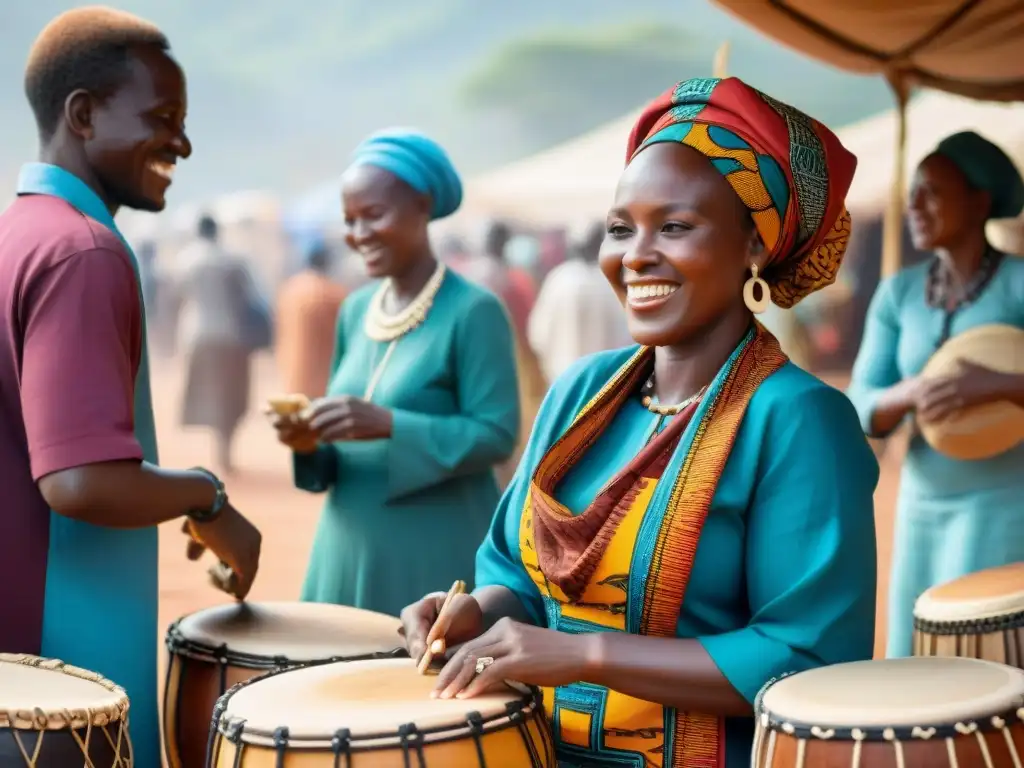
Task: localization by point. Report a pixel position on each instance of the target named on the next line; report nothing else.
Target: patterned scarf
(569, 546)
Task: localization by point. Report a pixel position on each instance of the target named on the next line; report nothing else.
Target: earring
(755, 305)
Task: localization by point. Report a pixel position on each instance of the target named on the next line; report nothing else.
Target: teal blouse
(404, 515)
(785, 572)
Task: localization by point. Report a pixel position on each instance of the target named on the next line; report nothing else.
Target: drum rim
(64, 719)
(529, 701)
(179, 645)
(767, 720)
(808, 731)
(981, 626)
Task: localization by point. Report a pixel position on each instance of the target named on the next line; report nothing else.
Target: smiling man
(82, 492)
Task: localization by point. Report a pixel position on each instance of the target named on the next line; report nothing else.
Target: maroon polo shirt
(70, 345)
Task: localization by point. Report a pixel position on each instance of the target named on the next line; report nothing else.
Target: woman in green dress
(422, 401)
(953, 517)
(692, 517)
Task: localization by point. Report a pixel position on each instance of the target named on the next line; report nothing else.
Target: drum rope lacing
(984, 626)
(998, 723)
(70, 721)
(179, 645)
(412, 739)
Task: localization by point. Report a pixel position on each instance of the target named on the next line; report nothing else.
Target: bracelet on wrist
(219, 500)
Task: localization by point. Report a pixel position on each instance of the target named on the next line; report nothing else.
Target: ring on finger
(483, 663)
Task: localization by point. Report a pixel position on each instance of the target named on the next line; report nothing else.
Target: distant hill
(281, 91)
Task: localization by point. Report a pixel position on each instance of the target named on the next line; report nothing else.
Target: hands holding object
(302, 425)
(435, 643)
(230, 536)
(509, 653)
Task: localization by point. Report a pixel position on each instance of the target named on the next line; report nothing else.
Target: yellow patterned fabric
(631, 523)
(789, 170)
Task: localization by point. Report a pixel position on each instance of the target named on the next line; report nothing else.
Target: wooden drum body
(215, 649)
(375, 714)
(53, 715)
(894, 713)
(978, 616)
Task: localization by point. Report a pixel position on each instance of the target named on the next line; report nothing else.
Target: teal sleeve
(498, 562)
(426, 449)
(875, 369)
(316, 472)
(810, 548)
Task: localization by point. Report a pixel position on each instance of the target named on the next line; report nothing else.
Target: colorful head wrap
(988, 168)
(417, 160)
(787, 168)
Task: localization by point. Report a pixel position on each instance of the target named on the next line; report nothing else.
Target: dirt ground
(262, 490)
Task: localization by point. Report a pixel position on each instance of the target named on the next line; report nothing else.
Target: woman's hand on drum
(513, 651)
(464, 621)
(334, 419)
(294, 431)
(939, 398)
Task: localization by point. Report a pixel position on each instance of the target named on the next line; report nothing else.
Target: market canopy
(967, 47)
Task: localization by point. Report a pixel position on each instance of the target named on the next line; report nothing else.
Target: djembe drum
(916, 712)
(53, 715)
(216, 648)
(979, 616)
(374, 714)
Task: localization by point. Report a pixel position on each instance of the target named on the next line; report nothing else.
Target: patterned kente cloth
(642, 541)
(787, 168)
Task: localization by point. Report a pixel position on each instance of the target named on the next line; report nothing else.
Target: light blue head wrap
(417, 160)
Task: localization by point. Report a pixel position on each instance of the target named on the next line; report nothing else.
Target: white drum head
(300, 632)
(896, 693)
(986, 594)
(45, 694)
(368, 698)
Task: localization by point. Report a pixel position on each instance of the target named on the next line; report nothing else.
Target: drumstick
(222, 576)
(436, 633)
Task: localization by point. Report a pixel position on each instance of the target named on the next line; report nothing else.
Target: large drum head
(986, 594)
(297, 632)
(43, 694)
(372, 700)
(58, 715)
(895, 693)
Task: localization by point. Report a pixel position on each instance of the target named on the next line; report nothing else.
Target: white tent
(569, 184)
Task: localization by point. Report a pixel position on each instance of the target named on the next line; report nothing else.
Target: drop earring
(756, 305)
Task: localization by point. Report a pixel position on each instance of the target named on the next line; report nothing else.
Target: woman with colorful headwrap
(422, 400)
(953, 517)
(692, 516)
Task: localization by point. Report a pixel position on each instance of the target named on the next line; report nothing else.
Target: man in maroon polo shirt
(82, 494)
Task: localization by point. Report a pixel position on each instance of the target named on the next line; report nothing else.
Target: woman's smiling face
(679, 246)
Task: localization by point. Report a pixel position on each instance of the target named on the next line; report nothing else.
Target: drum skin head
(40, 694)
(985, 594)
(985, 430)
(365, 697)
(919, 691)
(298, 631)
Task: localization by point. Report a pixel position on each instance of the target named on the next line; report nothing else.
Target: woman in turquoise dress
(422, 400)
(693, 516)
(953, 517)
